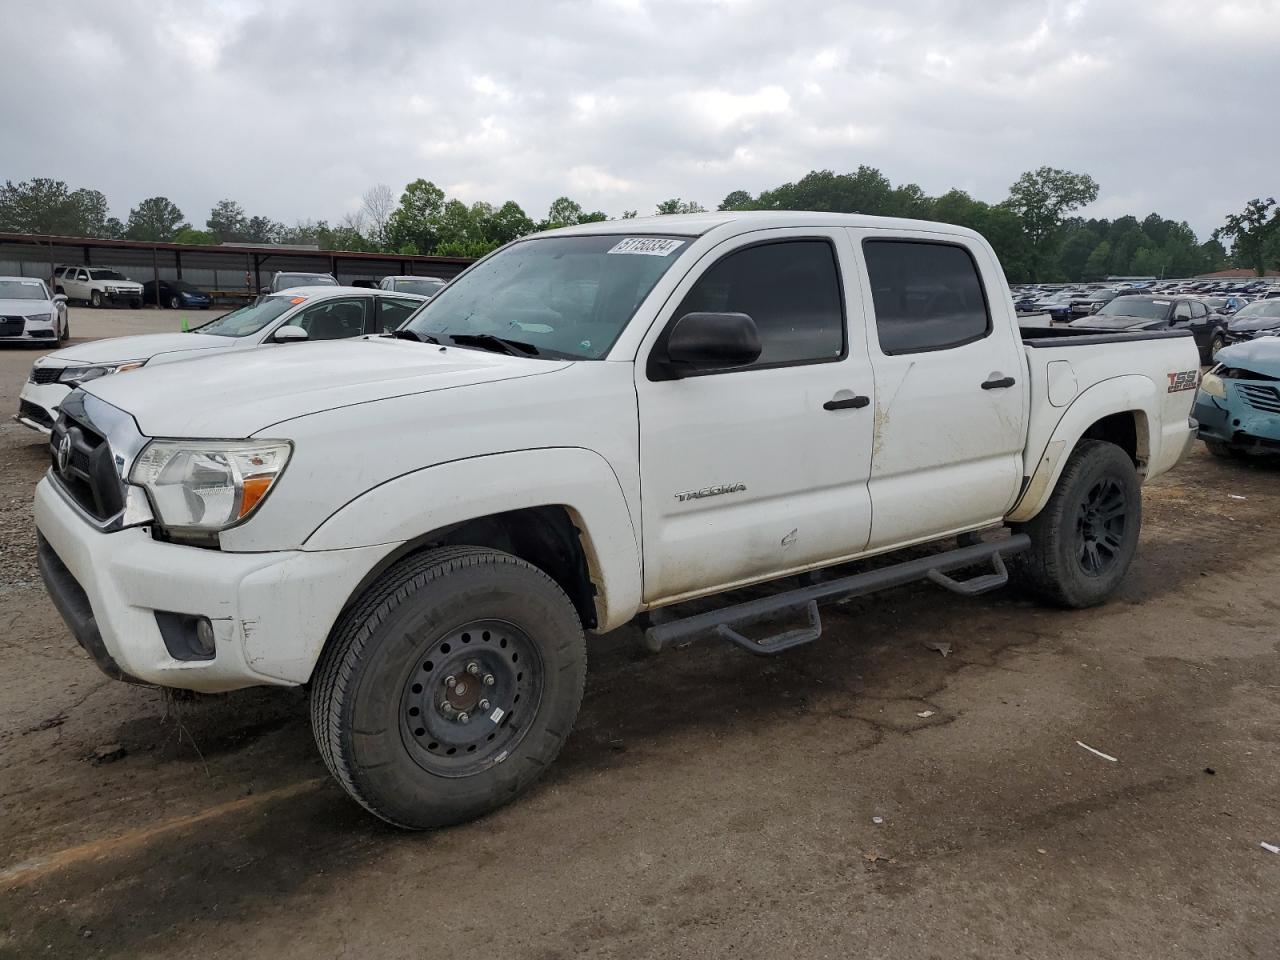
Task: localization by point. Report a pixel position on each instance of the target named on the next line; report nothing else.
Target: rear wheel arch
(1118, 411)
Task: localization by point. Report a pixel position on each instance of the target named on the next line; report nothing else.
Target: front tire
(449, 687)
(1216, 344)
(64, 330)
(175, 302)
(95, 299)
(1084, 539)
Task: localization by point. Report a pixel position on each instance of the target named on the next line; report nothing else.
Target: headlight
(39, 317)
(208, 485)
(1212, 384)
(74, 376)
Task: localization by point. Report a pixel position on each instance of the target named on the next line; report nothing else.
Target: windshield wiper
(415, 337)
(487, 341)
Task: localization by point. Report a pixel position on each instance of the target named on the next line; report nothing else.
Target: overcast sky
(294, 108)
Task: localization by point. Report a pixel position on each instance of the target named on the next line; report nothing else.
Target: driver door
(756, 471)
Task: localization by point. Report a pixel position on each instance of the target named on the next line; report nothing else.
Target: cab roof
(697, 224)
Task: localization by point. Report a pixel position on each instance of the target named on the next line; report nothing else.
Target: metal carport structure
(230, 270)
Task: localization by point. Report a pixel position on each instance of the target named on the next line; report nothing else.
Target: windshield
(428, 288)
(1262, 313)
(1135, 307)
(567, 296)
(22, 290)
(106, 275)
(250, 319)
(286, 280)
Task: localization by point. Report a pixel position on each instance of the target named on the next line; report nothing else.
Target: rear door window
(391, 313)
(927, 295)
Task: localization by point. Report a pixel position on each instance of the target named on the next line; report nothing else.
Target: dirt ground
(862, 797)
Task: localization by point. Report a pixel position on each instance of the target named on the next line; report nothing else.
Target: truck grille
(84, 466)
(1266, 399)
(45, 374)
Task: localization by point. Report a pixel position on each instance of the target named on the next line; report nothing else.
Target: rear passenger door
(950, 407)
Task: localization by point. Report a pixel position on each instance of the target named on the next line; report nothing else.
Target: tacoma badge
(711, 491)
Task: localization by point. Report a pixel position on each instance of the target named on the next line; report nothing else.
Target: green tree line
(1035, 229)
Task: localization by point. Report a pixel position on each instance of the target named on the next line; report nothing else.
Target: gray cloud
(295, 108)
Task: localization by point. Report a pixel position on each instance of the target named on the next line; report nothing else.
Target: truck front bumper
(271, 612)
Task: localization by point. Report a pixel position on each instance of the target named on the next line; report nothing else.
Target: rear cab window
(928, 295)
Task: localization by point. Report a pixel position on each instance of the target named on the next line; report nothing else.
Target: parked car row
(100, 287)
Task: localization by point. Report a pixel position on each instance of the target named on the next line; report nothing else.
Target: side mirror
(712, 341)
(59, 298)
(289, 334)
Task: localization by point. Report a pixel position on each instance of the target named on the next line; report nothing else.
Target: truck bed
(1062, 336)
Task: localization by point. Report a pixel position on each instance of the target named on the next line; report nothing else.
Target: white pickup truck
(97, 286)
(588, 426)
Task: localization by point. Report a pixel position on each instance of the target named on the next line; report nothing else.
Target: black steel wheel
(1100, 521)
(449, 687)
(1084, 538)
(460, 702)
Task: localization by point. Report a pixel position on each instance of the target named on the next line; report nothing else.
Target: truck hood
(236, 394)
(24, 308)
(142, 347)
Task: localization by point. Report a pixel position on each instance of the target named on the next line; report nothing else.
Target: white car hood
(24, 308)
(237, 394)
(141, 347)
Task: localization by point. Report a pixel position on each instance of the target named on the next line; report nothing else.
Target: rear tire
(421, 752)
(1084, 539)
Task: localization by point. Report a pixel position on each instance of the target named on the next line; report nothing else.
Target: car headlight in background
(74, 376)
(1212, 384)
(208, 485)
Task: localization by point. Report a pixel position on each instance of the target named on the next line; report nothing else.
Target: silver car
(424, 286)
(303, 313)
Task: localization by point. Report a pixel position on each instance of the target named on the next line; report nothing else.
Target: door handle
(999, 384)
(847, 403)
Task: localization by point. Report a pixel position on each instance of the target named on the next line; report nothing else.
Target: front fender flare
(416, 504)
(1132, 393)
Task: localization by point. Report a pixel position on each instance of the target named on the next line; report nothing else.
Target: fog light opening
(204, 637)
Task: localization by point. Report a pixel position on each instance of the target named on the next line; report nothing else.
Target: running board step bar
(725, 621)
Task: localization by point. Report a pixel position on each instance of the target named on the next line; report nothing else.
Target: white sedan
(303, 313)
(29, 314)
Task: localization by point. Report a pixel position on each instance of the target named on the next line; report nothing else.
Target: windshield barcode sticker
(647, 246)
